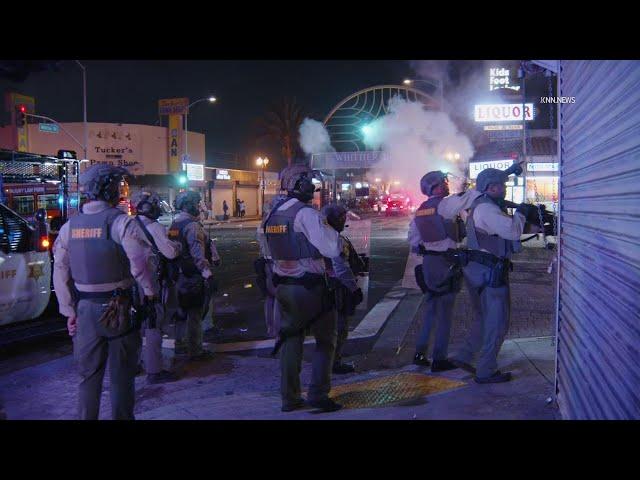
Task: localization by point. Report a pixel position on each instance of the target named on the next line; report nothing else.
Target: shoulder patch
(425, 211)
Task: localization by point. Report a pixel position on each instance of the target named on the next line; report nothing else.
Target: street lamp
(186, 130)
(262, 162)
(437, 83)
(84, 106)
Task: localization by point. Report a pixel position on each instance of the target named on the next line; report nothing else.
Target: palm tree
(280, 125)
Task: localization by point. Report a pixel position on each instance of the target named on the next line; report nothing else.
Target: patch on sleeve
(425, 211)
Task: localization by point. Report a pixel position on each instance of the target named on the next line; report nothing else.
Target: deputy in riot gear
(192, 271)
(264, 270)
(298, 238)
(101, 252)
(343, 270)
(160, 250)
(432, 234)
(492, 237)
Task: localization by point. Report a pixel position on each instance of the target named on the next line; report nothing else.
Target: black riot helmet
(102, 182)
(189, 202)
(336, 216)
(147, 203)
(297, 181)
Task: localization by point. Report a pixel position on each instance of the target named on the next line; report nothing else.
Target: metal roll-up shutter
(250, 196)
(598, 364)
(218, 195)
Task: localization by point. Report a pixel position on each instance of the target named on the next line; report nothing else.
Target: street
(238, 305)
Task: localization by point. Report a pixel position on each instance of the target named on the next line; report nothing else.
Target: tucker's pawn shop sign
(116, 146)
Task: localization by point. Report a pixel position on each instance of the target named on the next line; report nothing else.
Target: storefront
(542, 179)
(142, 149)
(232, 186)
(515, 185)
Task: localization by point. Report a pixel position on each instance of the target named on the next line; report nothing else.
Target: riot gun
(534, 214)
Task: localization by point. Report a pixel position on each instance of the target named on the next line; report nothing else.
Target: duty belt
(103, 295)
(462, 256)
(308, 280)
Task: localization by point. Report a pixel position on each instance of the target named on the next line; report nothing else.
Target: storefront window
(545, 186)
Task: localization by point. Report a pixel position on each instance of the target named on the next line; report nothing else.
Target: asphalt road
(239, 306)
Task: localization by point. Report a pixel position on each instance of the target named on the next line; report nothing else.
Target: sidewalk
(245, 385)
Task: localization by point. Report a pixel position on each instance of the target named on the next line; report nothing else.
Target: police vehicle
(28, 306)
(25, 269)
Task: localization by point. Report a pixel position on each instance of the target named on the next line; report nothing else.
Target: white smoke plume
(417, 141)
(314, 137)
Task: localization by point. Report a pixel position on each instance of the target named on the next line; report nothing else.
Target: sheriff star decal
(35, 270)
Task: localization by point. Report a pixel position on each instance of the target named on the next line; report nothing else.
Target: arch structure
(346, 120)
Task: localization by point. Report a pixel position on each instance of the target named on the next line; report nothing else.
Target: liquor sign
(506, 112)
(476, 167)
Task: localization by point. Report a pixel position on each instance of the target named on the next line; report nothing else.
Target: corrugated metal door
(598, 364)
(250, 196)
(218, 195)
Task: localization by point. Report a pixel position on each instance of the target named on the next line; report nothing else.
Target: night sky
(128, 92)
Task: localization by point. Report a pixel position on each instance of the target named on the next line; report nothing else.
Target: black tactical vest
(284, 243)
(94, 257)
(432, 226)
(185, 261)
(479, 239)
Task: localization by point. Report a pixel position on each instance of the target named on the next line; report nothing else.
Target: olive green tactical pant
(92, 347)
(298, 306)
(486, 335)
(189, 329)
(342, 328)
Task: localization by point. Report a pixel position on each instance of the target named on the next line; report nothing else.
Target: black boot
(325, 405)
(162, 377)
(497, 377)
(290, 407)
(443, 365)
(420, 359)
(342, 368)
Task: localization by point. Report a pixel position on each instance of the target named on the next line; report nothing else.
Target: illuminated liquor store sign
(505, 112)
(476, 167)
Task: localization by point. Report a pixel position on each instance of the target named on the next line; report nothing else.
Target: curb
(372, 324)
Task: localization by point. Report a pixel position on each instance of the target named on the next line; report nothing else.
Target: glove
(529, 211)
(358, 297)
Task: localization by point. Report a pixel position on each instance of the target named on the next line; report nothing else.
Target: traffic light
(182, 179)
(21, 116)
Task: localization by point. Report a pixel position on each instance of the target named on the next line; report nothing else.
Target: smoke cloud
(314, 137)
(417, 141)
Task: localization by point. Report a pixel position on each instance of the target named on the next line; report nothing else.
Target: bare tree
(280, 125)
